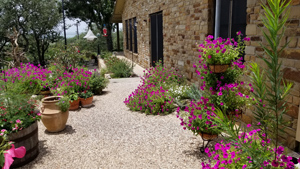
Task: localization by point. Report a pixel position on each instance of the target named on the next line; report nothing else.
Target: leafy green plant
(193, 93)
(73, 96)
(199, 117)
(106, 54)
(221, 51)
(122, 68)
(4, 145)
(17, 111)
(98, 83)
(63, 104)
(271, 106)
(86, 94)
(103, 71)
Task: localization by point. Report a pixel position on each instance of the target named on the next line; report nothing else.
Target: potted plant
(86, 98)
(198, 117)
(231, 98)
(74, 101)
(55, 112)
(97, 84)
(218, 54)
(19, 118)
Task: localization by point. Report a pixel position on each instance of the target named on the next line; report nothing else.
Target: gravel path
(108, 135)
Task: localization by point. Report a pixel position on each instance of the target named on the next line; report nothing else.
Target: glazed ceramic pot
(52, 117)
(74, 105)
(88, 102)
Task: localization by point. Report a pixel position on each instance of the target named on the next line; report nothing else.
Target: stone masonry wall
(185, 24)
(290, 60)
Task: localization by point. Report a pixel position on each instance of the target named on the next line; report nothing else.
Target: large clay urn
(52, 117)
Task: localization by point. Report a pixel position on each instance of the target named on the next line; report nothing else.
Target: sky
(71, 31)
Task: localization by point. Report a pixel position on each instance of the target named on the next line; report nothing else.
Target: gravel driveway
(108, 135)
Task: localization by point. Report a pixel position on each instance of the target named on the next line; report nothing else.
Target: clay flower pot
(218, 68)
(208, 136)
(88, 102)
(52, 117)
(74, 105)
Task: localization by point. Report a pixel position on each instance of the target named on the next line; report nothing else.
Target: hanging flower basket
(218, 68)
(234, 114)
(208, 136)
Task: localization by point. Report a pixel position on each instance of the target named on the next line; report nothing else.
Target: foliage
(73, 97)
(119, 67)
(100, 13)
(103, 71)
(271, 106)
(27, 79)
(98, 83)
(35, 20)
(232, 96)
(105, 55)
(214, 81)
(178, 92)
(198, 117)
(86, 94)
(70, 57)
(221, 51)
(193, 93)
(152, 96)
(17, 112)
(63, 104)
(122, 68)
(4, 145)
(69, 82)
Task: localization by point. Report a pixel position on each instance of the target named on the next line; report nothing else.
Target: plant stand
(206, 138)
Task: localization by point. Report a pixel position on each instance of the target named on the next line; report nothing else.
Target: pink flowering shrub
(221, 51)
(248, 151)
(27, 79)
(199, 117)
(17, 112)
(232, 97)
(152, 96)
(69, 82)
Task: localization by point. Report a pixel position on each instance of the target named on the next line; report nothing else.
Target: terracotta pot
(208, 136)
(52, 117)
(28, 138)
(74, 105)
(88, 102)
(234, 114)
(218, 68)
(46, 92)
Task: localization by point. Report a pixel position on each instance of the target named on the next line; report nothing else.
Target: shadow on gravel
(43, 151)
(68, 130)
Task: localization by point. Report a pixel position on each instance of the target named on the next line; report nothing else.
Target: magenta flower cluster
(27, 74)
(152, 96)
(74, 81)
(199, 117)
(232, 154)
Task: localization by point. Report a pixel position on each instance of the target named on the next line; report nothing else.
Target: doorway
(156, 37)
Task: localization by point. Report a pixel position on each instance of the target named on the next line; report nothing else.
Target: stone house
(170, 30)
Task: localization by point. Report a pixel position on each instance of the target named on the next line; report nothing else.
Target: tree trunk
(109, 41)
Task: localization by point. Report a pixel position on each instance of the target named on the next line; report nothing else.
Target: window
(131, 35)
(127, 42)
(135, 35)
(233, 17)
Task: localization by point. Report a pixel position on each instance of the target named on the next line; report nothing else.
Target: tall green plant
(271, 97)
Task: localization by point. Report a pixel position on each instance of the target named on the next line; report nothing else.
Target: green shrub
(105, 55)
(98, 83)
(103, 72)
(122, 68)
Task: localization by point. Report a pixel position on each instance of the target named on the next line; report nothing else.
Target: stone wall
(290, 60)
(185, 23)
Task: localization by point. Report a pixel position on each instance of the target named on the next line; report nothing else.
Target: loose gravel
(109, 135)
